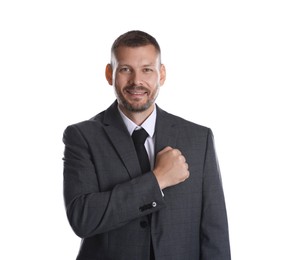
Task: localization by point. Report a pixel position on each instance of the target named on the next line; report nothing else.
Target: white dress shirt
(149, 127)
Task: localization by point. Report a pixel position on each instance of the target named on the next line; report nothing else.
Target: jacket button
(154, 204)
(143, 224)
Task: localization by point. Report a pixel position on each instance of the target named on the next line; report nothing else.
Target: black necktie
(139, 137)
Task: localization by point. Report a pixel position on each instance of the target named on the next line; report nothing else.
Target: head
(136, 71)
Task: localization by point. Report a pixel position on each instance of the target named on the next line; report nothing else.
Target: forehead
(135, 55)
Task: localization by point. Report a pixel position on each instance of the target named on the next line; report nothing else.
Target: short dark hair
(135, 38)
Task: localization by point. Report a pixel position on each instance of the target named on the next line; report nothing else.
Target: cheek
(120, 81)
(153, 80)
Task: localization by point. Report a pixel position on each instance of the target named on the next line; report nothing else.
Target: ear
(162, 74)
(109, 74)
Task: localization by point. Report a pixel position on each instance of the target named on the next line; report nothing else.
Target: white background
(226, 69)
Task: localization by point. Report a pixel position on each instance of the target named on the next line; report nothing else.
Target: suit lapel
(121, 140)
(166, 131)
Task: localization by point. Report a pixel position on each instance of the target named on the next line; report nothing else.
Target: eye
(125, 69)
(147, 70)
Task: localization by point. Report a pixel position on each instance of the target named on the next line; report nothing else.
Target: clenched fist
(170, 167)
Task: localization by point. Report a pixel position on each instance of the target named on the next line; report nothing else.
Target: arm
(214, 226)
(91, 211)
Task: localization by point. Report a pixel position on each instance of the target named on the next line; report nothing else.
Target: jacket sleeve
(214, 226)
(91, 211)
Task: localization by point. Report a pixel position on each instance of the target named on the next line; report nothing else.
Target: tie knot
(139, 136)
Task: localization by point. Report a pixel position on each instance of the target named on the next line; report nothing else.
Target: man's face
(136, 76)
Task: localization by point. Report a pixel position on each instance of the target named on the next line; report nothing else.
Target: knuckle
(176, 152)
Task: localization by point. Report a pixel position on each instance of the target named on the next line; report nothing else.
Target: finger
(166, 149)
(176, 151)
(182, 158)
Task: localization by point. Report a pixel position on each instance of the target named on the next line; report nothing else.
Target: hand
(170, 167)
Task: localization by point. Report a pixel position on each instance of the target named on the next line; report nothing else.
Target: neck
(138, 117)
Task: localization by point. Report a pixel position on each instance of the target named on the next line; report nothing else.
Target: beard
(137, 107)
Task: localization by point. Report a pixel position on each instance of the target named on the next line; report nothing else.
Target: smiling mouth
(136, 91)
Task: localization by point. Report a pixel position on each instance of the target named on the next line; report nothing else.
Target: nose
(136, 79)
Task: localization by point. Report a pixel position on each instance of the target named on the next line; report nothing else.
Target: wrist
(160, 180)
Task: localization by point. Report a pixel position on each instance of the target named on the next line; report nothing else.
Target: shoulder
(87, 125)
(181, 122)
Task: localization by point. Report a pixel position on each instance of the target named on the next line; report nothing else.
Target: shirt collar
(148, 124)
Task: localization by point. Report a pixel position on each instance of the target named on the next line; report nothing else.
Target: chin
(137, 108)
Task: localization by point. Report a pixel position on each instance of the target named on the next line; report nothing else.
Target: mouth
(135, 91)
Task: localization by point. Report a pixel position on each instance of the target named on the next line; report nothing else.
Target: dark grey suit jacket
(108, 199)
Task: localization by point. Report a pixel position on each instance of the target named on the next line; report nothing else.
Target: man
(172, 206)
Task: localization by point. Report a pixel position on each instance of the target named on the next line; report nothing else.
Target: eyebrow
(148, 65)
(145, 65)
